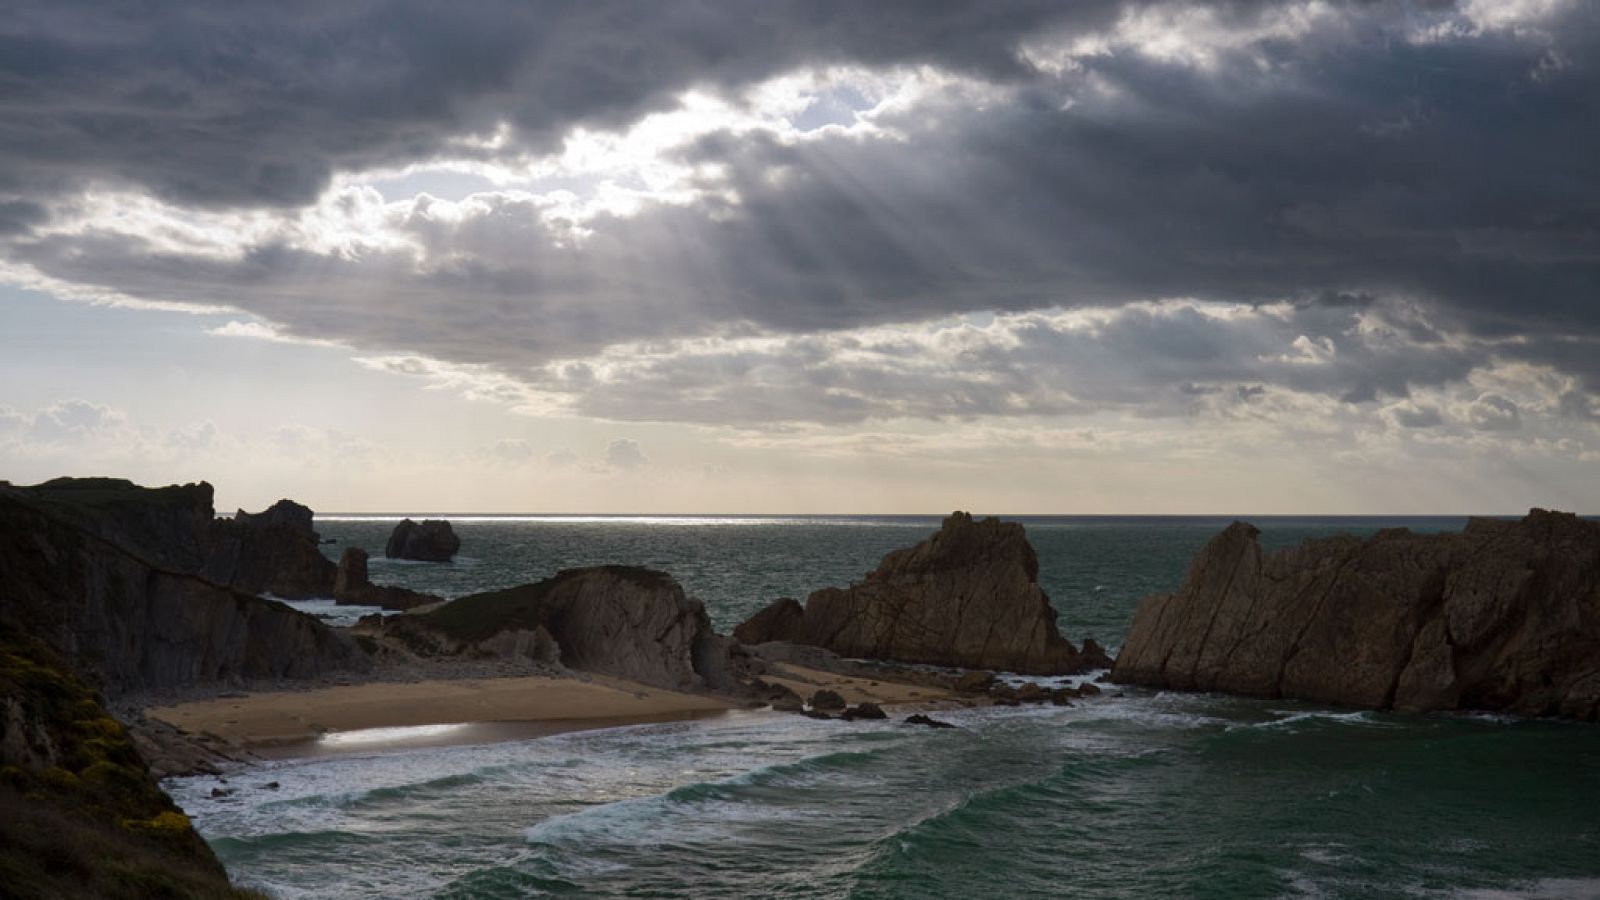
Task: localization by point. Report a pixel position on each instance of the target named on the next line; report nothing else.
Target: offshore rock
(617, 620)
(1504, 616)
(351, 586)
(132, 623)
(431, 540)
(967, 597)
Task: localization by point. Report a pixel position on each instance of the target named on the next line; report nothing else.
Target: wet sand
(367, 716)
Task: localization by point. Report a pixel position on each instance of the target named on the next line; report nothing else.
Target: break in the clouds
(781, 215)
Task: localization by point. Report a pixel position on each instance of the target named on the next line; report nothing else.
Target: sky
(807, 257)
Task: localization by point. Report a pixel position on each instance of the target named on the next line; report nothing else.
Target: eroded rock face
(351, 586)
(617, 620)
(176, 528)
(1504, 616)
(272, 552)
(431, 540)
(136, 624)
(968, 597)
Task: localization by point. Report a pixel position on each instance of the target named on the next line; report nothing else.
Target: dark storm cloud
(1361, 164)
(252, 104)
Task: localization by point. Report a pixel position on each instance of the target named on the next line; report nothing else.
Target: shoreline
(377, 716)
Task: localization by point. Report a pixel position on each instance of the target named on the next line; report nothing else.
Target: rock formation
(431, 540)
(132, 623)
(968, 596)
(175, 528)
(83, 816)
(1504, 616)
(272, 552)
(618, 620)
(352, 587)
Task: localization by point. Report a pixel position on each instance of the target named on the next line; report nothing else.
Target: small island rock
(431, 540)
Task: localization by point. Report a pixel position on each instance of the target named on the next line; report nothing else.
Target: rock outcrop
(968, 596)
(272, 552)
(83, 815)
(431, 540)
(130, 622)
(1504, 616)
(352, 587)
(176, 528)
(617, 620)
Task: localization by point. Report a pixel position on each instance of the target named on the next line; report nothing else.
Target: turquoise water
(1136, 794)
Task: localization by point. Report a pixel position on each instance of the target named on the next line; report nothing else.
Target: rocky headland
(1504, 616)
(967, 597)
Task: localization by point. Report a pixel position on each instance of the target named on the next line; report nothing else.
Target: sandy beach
(292, 723)
(289, 718)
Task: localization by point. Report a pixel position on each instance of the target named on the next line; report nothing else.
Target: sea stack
(967, 596)
(431, 540)
(352, 587)
(1504, 616)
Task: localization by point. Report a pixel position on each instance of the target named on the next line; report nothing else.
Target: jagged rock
(864, 710)
(1504, 616)
(975, 682)
(781, 621)
(133, 623)
(826, 699)
(967, 597)
(617, 620)
(351, 586)
(920, 719)
(431, 540)
(273, 552)
(1095, 656)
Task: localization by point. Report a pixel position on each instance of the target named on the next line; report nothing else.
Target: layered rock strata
(1504, 616)
(616, 620)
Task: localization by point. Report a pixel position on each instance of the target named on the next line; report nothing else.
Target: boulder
(1095, 656)
(827, 700)
(431, 540)
(1504, 616)
(966, 597)
(351, 587)
(974, 682)
(1032, 693)
(920, 719)
(864, 710)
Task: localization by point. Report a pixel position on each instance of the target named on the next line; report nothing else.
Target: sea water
(1133, 794)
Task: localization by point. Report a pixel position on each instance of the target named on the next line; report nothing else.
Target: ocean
(1135, 794)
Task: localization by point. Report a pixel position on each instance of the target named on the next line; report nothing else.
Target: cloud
(1357, 204)
(624, 453)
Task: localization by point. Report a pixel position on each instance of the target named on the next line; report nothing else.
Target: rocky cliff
(617, 620)
(1504, 616)
(82, 586)
(83, 816)
(176, 528)
(967, 596)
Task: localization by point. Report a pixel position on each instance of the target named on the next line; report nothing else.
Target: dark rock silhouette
(827, 700)
(920, 719)
(133, 623)
(968, 596)
(1504, 616)
(352, 587)
(431, 540)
